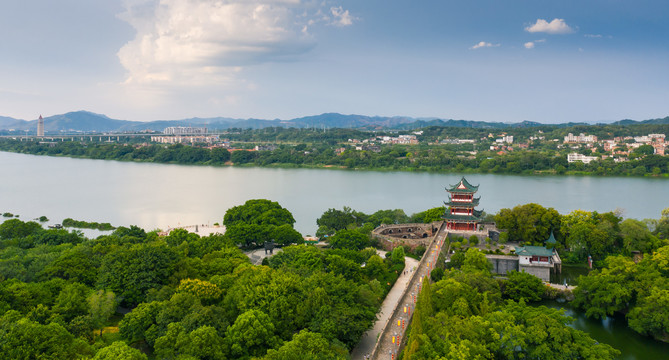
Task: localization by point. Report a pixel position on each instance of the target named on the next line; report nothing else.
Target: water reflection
(613, 330)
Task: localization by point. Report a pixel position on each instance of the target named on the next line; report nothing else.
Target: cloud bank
(556, 26)
(200, 42)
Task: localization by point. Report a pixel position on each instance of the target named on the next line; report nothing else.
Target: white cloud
(202, 42)
(532, 44)
(341, 17)
(556, 26)
(483, 44)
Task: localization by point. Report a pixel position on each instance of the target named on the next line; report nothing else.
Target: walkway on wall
(368, 341)
(399, 317)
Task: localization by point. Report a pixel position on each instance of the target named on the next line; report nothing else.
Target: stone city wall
(407, 235)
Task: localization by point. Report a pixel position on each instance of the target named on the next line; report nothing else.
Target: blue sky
(489, 60)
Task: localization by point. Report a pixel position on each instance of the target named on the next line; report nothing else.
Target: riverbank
(431, 159)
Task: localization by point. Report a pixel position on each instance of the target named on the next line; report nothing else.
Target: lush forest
(467, 314)
(133, 294)
(582, 233)
(639, 289)
(311, 148)
(137, 295)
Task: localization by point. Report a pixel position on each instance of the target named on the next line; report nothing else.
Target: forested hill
(85, 121)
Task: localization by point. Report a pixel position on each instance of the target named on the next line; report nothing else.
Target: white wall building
(581, 138)
(573, 157)
(505, 139)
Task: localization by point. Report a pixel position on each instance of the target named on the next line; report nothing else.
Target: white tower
(40, 126)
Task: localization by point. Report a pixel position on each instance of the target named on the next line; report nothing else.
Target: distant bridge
(81, 137)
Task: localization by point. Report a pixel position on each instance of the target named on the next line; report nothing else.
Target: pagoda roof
(551, 239)
(474, 202)
(533, 251)
(463, 187)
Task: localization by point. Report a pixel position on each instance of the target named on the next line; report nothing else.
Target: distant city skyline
(487, 60)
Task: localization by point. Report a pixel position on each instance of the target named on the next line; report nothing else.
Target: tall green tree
(251, 335)
(523, 286)
(71, 301)
(336, 220)
(259, 212)
(101, 307)
(132, 271)
(530, 223)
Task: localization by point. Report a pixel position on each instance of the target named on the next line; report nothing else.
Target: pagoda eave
(461, 203)
(461, 218)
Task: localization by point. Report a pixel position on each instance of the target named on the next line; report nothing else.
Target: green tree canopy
(21, 338)
(15, 228)
(523, 286)
(338, 219)
(132, 271)
(119, 350)
(530, 223)
(258, 212)
(349, 239)
(307, 345)
(251, 334)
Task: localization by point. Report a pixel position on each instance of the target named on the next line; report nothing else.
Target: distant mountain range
(85, 121)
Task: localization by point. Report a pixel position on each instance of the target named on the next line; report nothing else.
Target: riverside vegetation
(470, 315)
(133, 294)
(312, 148)
(87, 225)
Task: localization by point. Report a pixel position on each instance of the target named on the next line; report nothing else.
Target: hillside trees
(456, 320)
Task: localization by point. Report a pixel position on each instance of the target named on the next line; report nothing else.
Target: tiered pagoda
(461, 214)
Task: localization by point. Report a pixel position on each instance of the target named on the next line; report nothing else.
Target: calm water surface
(157, 196)
(614, 331)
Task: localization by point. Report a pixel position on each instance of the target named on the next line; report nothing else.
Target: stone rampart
(407, 235)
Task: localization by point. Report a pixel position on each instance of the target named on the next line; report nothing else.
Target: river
(160, 196)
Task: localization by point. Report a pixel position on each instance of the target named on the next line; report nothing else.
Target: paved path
(378, 342)
(256, 256)
(366, 344)
(562, 286)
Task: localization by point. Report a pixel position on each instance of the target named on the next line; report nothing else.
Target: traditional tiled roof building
(539, 260)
